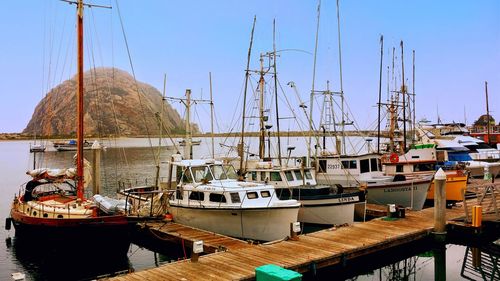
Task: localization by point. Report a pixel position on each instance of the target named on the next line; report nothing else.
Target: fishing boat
(209, 196)
(52, 208)
(421, 159)
(365, 170)
(320, 204)
(193, 142)
(70, 145)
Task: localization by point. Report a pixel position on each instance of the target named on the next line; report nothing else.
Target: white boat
(209, 197)
(70, 145)
(37, 147)
(366, 171)
(320, 204)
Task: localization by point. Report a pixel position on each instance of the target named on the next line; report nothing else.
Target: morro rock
(114, 104)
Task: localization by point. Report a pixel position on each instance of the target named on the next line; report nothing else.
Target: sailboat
(52, 206)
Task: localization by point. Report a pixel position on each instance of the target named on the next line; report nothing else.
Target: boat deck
(320, 249)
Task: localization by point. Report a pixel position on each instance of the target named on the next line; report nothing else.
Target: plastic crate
(271, 272)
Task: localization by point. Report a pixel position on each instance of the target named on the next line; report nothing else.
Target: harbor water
(133, 161)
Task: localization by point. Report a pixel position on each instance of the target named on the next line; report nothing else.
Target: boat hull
(455, 186)
(112, 232)
(263, 224)
(409, 193)
(336, 210)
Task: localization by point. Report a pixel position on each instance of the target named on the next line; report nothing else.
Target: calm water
(131, 160)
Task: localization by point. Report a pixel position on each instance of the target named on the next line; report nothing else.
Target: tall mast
(262, 136)
(79, 95)
(414, 133)
(276, 92)
(311, 101)
(211, 114)
(247, 74)
(403, 92)
(380, 90)
(188, 149)
(341, 84)
(487, 111)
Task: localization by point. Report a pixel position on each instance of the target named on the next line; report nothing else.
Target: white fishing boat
(365, 170)
(320, 204)
(209, 196)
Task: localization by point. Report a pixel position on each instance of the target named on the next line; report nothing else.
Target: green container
(271, 272)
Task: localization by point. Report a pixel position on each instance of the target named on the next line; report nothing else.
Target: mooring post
(96, 167)
(197, 250)
(440, 202)
(294, 229)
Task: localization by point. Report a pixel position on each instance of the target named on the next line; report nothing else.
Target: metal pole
(341, 84)
(276, 93)
(487, 112)
(212, 114)
(311, 101)
(403, 91)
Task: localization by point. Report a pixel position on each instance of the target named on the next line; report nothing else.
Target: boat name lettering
(347, 199)
(400, 189)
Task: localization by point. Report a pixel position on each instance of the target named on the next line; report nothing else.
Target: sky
(456, 44)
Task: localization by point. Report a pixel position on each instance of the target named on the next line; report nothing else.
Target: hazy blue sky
(457, 45)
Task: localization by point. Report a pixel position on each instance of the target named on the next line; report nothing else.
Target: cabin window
(216, 197)
(235, 197)
(308, 174)
(298, 175)
(60, 216)
(201, 173)
(289, 175)
(349, 164)
(45, 215)
(399, 168)
(373, 164)
(230, 172)
(218, 172)
(275, 176)
(322, 166)
(254, 175)
(186, 177)
(252, 195)
(265, 194)
(364, 166)
(196, 195)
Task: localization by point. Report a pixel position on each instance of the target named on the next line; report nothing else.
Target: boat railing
(151, 203)
(129, 182)
(487, 196)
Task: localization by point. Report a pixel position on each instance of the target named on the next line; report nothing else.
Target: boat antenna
(276, 92)
(311, 101)
(487, 111)
(79, 94)
(380, 90)
(247, 75)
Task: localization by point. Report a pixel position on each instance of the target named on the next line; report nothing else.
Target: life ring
(394, 158)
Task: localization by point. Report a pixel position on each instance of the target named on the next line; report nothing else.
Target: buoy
(394, 158)
(169, 217)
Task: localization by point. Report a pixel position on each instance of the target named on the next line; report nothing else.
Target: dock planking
(322, 248)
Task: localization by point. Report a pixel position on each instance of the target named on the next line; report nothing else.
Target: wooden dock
(319, 249)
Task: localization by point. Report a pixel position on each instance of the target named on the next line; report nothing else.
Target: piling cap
(96, 145)
(440, 175)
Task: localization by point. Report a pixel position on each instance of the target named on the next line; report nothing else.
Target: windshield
(225, 172)
(201, 174)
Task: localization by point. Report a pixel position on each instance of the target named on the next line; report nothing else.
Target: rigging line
(139, 92)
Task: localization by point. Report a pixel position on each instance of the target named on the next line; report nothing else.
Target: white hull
(409, 193)
(328, 211)
(267, 224)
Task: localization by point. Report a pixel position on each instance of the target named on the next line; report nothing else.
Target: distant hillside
(112, 106)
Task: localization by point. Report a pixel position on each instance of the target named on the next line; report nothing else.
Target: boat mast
(262, 135)
(380, 90)
(341, 84)
(211, 114)
(247, 74)
(276, 92)
(79, 109)
(403, 92)
(311, 101)
(487, 112)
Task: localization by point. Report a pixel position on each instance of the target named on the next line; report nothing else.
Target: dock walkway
(320, 249)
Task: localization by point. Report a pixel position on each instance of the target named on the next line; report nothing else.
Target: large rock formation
(114, 105)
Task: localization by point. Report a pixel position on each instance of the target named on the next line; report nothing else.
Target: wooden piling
(440, 202)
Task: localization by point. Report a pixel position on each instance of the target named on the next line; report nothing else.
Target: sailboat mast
(487, 112)
(211, 114)
(311, 100)
(79, 109)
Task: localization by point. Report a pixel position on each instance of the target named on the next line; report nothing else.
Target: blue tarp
(459, 156)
